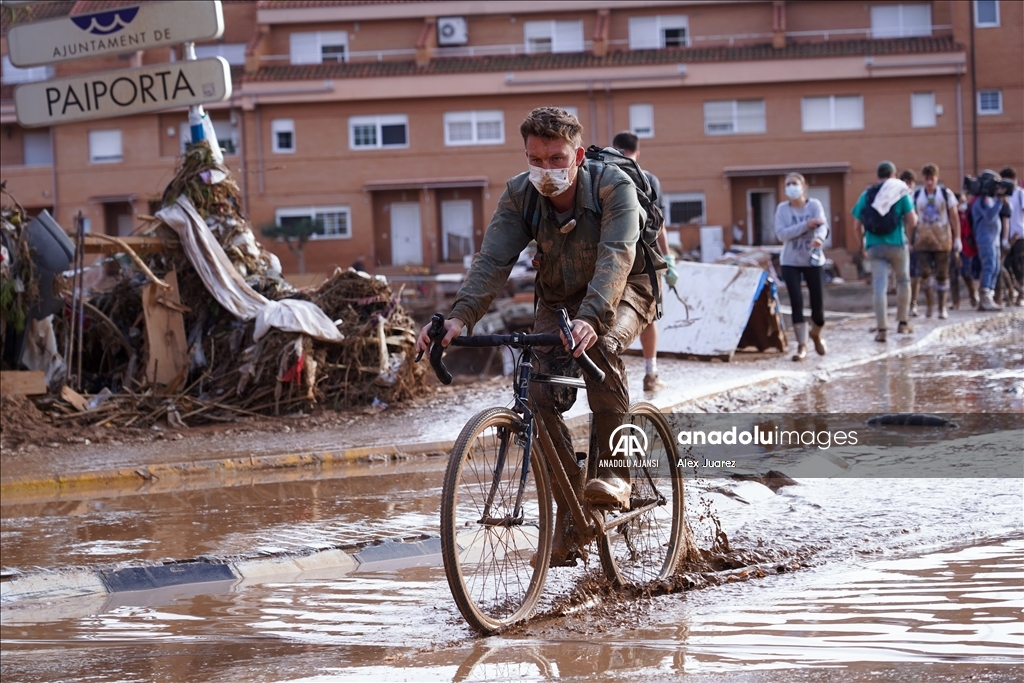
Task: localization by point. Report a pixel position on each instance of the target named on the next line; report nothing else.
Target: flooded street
(882, 579)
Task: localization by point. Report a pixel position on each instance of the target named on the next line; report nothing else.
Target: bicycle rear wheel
(647, 547)
(487, 554)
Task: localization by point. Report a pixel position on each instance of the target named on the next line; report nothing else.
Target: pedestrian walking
(883, 214)
(1015, 234)
(910, 178)
(936, 236)
(629, 145)
(987, 228)
(802, 226)
(964, 265)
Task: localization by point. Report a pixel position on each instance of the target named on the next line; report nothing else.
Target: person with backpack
(627, 144)
(965, 264)
(802, 226)
(986, 225)
(937, 236)
(592, 261)
(883, 214)
(1014, 261)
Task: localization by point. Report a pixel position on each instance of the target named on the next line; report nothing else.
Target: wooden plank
(74, 398)
(22, 382)
(165, 331)
(139, 244)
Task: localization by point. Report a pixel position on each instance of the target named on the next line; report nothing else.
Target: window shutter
(641, 120)
(568, 36)
(916, 20)
(537, 34)
(816, 113)
(718, 117)
(305, 48)
(750, 116)
(643, 33)
(37, 148)
(922, 109)
(849, 113)
(885, 21)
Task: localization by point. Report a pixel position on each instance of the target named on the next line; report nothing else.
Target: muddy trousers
(609, 401)
(883, 258)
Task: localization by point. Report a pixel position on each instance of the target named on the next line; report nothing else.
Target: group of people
(926, 235)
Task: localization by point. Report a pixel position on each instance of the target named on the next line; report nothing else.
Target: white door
(822, 195)
(456, 229)
(406, 234)
(125, 224)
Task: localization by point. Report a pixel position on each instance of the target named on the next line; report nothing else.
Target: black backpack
(645, 194)
(874, 222)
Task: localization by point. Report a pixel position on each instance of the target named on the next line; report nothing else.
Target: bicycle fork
(522, 391)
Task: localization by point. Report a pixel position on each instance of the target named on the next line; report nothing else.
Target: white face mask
(550, 182)
(794, 191)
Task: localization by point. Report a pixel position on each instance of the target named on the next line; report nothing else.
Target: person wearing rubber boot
(587, 224)
(802, 226)
(936, 237)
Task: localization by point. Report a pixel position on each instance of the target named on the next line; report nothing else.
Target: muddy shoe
(819, 343)
(610, 492)
(652, 383)
(904, 328)
(801, 352)
(880, 336)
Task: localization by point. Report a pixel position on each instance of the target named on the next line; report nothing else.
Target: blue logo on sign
(105, 23)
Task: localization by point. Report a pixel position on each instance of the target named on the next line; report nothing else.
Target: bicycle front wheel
(645, 546)
(495, 559)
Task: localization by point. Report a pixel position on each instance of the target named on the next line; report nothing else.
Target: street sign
(114, 31)
(123, 93)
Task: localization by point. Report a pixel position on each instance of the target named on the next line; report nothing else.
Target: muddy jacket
(588, 269)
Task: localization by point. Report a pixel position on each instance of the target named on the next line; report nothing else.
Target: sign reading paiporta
(122, 93)
(114, 31)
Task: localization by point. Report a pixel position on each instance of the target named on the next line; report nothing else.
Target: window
(572, 110)
(318, 47)
(651, 33)
(990, 102)
(282, 133)
(986, 13)
(37, 149)
(641, 120)
(105, 146)
(474, 128)
(233, 52)
(901, 21)
(835, 112)
(729, 117)
(922, 109)
(553, 36)
(336, 219)
(685, 208)
(375, 132)
(13, 74)
(227, 136)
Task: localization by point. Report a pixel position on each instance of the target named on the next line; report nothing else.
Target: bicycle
(496, 517)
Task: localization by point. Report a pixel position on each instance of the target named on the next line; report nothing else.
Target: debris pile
(159, 343)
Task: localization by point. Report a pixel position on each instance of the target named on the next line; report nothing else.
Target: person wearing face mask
(802, 226)
(587, 225)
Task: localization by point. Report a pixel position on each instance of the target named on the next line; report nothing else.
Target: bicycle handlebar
(515, 340)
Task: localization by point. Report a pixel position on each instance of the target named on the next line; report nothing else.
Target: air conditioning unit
(452, 31)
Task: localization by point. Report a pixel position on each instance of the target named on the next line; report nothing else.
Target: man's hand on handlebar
(452, 327)
(584, 335)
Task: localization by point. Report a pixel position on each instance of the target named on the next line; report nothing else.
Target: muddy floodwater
(885, 579)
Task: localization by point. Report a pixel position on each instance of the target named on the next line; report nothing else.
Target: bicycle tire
(647, 548)
(488, 566)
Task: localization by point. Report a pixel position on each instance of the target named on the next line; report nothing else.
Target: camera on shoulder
(988, 184)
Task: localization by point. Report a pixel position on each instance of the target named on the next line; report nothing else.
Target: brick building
(396, 122)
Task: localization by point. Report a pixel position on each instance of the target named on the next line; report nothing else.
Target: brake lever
(436, 332)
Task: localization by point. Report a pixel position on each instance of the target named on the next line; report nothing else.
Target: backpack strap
(531, 209)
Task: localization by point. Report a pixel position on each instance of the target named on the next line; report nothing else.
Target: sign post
(115, 31)
(123, 93)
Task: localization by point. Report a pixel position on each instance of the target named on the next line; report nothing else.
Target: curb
(348, 456)
(45, 586)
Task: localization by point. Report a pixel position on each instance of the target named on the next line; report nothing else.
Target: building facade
(397, 123)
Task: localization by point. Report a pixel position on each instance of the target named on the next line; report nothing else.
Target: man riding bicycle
(587, 262)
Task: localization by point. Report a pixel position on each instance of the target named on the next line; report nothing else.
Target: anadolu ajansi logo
(105, 23)
(628, 441)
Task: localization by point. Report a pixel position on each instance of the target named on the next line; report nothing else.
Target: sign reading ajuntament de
(123, 93)
(114, 31)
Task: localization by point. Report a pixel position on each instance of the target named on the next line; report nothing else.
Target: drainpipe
(593, 114)
(242, 155)
(259, 150)
(608, 108)
(974, 95)
(960, 125)
(53, 170)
